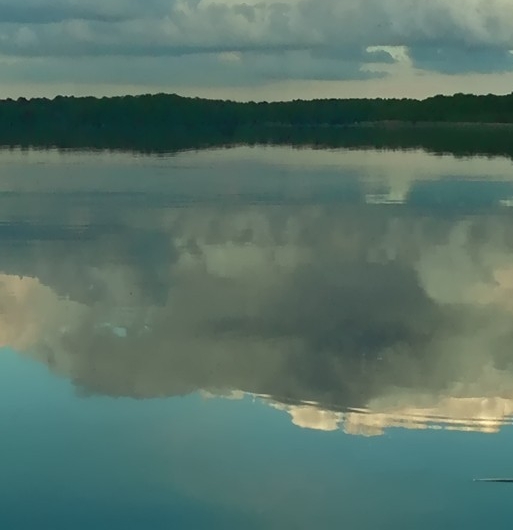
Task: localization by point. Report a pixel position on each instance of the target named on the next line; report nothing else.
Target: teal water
(255, 338)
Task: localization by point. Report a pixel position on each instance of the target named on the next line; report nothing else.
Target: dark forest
(460, 124)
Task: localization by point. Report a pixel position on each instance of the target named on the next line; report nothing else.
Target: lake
(255, 338)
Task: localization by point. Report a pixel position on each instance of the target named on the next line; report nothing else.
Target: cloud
(282, 40)
(51, 11)
(216, 69)
(452, 60)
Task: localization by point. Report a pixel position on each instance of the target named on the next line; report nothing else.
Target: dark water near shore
(255, 338)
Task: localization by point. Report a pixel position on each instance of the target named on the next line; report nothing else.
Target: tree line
(171, 122)
(171, 110)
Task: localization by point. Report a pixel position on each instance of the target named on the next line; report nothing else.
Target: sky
(256, 49)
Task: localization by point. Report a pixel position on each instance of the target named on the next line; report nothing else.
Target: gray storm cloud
(458, 36)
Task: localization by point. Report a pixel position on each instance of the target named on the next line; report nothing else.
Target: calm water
(255, 338)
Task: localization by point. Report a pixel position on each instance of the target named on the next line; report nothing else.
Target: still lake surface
(257, 338)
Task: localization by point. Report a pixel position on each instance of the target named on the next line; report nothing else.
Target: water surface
(255, 338)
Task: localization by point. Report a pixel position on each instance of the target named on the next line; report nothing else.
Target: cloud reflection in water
(361, 317)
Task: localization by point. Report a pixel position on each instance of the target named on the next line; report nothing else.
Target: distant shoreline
(427, 124)
(396, 124)
(171, 110)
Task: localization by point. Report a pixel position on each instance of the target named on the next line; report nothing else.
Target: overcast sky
(256, 49)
